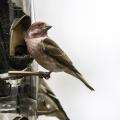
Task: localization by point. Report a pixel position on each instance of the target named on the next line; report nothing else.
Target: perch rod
(27, 73)
(19, 74)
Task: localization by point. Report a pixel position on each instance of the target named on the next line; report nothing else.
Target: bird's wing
(50, 44)
(54, 51)
(48, 41)
(45, 88)
(50, 97)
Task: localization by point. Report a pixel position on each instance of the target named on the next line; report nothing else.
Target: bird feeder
(17, 93)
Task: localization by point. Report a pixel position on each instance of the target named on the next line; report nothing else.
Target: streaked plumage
(48, 54)
(48, 103)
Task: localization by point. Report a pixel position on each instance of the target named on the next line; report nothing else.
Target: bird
(48, 103)
(47, 52)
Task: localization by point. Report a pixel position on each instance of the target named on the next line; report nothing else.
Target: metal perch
(18, 74)
(41, 74)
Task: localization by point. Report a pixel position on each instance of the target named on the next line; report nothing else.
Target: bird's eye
(38, 25)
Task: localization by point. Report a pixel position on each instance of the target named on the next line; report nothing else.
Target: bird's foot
(46, 75)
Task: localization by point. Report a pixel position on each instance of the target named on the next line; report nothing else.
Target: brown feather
(54, 51)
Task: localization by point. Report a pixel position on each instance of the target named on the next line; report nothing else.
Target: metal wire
(34, 15)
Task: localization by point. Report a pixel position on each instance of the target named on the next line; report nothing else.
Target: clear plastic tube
(17, 96)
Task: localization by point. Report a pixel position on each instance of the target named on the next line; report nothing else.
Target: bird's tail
(80, 77)
(60, 116)
(61, 113)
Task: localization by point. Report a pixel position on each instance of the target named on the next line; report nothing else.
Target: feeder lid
(25, 20)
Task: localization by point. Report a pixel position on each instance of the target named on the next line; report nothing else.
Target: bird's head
(38, 29)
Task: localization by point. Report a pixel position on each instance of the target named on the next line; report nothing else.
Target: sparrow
(48, 102)
(48, 54)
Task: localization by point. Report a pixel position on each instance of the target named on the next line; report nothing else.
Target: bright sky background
(89, 32)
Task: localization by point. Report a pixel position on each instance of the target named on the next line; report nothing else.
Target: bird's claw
(46, 75)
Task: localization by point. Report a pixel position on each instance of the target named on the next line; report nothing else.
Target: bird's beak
(47, 27)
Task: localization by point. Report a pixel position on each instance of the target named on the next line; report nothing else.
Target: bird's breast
(33, 46)
(36, 49)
